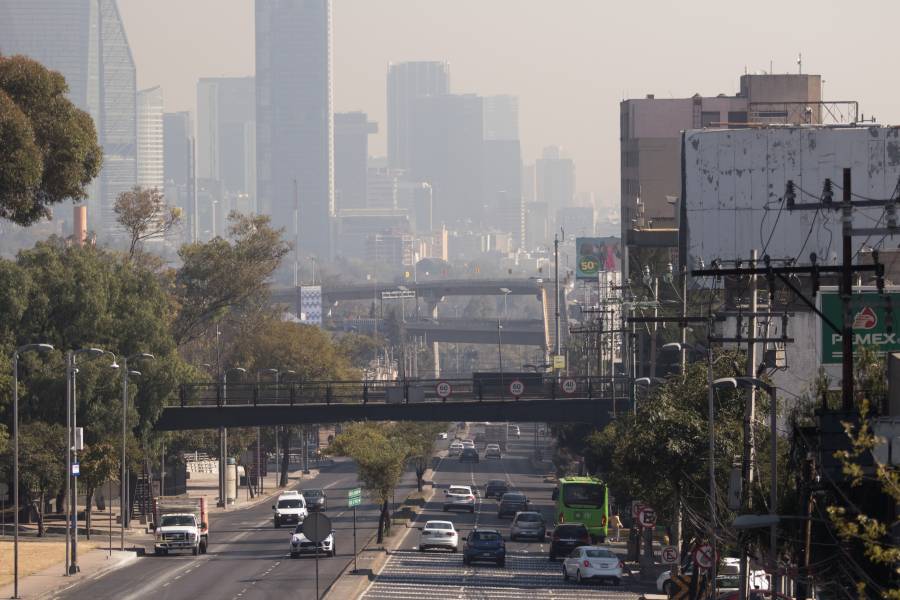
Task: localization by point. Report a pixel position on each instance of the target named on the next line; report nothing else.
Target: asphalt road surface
(438, 574)
(248, 558)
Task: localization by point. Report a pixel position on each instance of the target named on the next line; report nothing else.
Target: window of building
(737, 116)
(708, 117)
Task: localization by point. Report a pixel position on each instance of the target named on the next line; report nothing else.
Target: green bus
(583, 500)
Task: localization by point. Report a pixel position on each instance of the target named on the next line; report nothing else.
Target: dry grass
(34, 556)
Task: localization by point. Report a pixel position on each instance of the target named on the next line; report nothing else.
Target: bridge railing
(406, 391)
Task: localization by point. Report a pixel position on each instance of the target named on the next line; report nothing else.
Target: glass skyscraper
(85, 41)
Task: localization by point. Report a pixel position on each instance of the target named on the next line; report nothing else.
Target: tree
(380, 458)
(99, 463)
(42, 466)
(419, 439)
(221, 276)
(143, 214)
(48, 147)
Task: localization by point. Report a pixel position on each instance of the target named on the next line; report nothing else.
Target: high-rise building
(226, 135)
(504, 209)
(405, 83)
(150, 144)
(351, 156)
(85, 41)
(555, 178)
(501, 117)
(179, 169)
(295, 120)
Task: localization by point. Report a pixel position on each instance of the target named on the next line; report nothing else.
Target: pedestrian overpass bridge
(536, 398)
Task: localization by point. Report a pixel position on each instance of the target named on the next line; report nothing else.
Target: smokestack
(79, 224)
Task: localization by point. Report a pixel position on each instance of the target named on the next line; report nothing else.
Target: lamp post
(281, 469)
(72, 453)
(259, 477)
(771, 390)
(223, 440)
(15, 482)
(126, 511)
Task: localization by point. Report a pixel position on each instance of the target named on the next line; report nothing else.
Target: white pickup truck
(180, 523)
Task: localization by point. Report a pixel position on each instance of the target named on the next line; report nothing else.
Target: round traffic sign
(703, 556)
(316, 527)
(516, 388)
(443, 389)
(669, 555)
(647, 517)
(569, 385)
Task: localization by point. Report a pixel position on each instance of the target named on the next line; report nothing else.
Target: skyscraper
(295, 119)
(179, 169)
(406, 82)
(226, 140)
(501, 118)
(555, 175)
(85, 41)
(150, 145)
(351, 156)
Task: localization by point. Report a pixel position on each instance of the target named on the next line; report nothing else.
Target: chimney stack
(79, 224)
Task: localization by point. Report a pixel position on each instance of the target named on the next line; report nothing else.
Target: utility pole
(846, 293)
(749, 454)
(556, 288)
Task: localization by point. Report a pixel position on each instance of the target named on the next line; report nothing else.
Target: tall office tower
(351, 156)
(446, 150)
(85, 41)
(295, 120)
(555, 177)
(150, 144)
(178, 166)
(406, 82)
(501, 117)
(504, 209)
(226, 135)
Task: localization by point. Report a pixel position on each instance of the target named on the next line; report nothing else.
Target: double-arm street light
(126, 510)
(223, 439)
(15, 482)
(72, 452)
(771, 390)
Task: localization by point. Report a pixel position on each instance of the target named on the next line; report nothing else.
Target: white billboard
(734, 183)
(311, 304)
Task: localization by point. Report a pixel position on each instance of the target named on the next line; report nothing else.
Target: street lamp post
(223, 440)
(15, 360)
(280, 469)
(126, 510)
(259, 477)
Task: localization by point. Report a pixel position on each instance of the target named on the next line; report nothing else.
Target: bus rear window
(583, 494)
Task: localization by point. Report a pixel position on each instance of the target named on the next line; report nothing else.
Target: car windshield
(528, 518)
(438, 525)
(459, 490)
(513, 498)
(292, 503)
(177, 521)
(314, 493)
(583, 494)
(497, 483)
(486, 536)
(572, 531)
(599, 553)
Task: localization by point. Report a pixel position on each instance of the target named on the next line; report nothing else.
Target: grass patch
(34, 556)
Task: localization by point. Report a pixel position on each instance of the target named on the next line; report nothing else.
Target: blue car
(486, 545)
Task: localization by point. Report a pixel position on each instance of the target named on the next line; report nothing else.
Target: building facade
(351, 156)
(405, 83)
(226, 132)
(554, 178)
(150, 142)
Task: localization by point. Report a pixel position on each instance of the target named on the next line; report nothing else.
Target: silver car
(528, 524)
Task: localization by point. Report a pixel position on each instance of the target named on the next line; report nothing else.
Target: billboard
(870, 324)
(311, 304)
(595, 255)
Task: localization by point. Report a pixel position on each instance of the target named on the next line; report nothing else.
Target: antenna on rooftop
(800, 63)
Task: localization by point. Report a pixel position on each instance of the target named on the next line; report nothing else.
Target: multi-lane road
(410, 574)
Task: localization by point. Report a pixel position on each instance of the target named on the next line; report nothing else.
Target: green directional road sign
(871, 320)
(354, 497)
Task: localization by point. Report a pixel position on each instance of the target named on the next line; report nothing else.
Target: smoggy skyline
(570, 62)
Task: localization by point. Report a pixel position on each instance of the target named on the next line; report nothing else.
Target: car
(455, 448)
(316, 500)
(469, 455)
(495, 488)
(493, 451)
(300, 544)
(511, 503)
(459, 496)
(566, 537)
(442, 435)
(289, 508)
(468, 443)
(515, 431)
(753, 595)
(593, 562)
(438, 534)
(484, 545)
(730, 567)
(528, 524)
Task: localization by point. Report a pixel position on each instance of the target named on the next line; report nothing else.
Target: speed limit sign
(568, 386)
(516, 388)
(443, 389)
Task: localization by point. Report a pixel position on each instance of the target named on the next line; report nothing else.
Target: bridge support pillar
(435, 347)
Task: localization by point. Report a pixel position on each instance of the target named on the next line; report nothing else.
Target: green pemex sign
(870, 324)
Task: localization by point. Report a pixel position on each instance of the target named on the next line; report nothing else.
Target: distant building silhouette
(226, 132)
(150, 144)
(351, 155)
(405, 83)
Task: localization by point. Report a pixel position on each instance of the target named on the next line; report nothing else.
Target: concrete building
(537, 225)
(150, 142)
(503, 187)
(178, 168)
(226, 132)
(554, 178)
(501, 117)
(354, 226)
(405, 83)
(393, 248)
(85, 40)
(295, 120)
(416, 199)
(576, 221)
(382, 188)
(351, 155)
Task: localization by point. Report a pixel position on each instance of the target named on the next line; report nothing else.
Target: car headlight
(192, 536)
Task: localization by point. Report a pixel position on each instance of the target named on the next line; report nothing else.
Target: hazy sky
(569, 61)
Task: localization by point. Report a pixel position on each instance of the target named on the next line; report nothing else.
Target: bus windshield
(583, 494)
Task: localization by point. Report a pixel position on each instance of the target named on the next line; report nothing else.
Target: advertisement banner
(870, 320)
(311, 304)
(594, 256)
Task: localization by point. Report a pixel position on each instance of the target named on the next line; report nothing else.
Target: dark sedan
(511, 503)
(486, 545)
(316, 500)
(468, 455)
(568, 537)
(495, 488)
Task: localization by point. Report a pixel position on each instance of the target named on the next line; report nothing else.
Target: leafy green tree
(143, 214)
(359, 348)
(48, 147)
(380, 459)
(99, 463)
(42, 465)
(419, 439)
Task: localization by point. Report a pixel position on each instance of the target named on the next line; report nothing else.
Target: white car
(515, 431)
(300, 544)
(289, 508)
(468, 444)
(757, 580)
(438, 534)
(493, 451)
(455, 448)
(442, 435)
(459, 496)
(593, 562)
